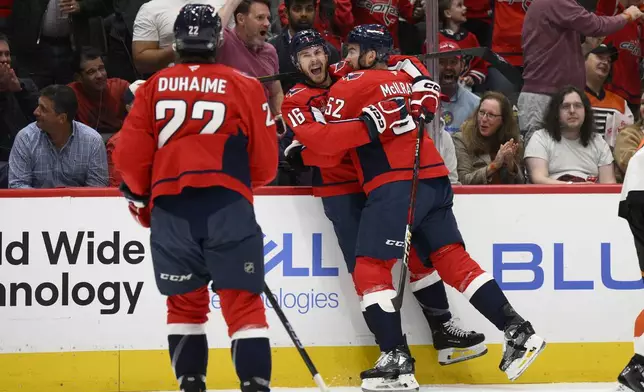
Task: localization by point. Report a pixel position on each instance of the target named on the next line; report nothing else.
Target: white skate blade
(404, 383)
(449, 356)
(622, 388)
(534, 345)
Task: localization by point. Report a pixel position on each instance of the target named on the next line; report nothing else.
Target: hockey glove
(389, 114)
(340, 69)
(138, 206)
(425, 98)
(293, 154)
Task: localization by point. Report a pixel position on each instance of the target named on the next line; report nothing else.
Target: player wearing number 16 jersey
(199, 138)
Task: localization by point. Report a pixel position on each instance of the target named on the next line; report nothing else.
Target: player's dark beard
(300, 24)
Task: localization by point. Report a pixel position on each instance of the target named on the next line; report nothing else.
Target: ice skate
(455, 345)
(632, 377)
(521, 346)
(393, 372)
(192, 383)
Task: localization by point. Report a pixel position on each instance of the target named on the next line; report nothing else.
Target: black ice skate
(456, 345)
(192, 383)
(521, 346)
(393, 372)
(632, 377)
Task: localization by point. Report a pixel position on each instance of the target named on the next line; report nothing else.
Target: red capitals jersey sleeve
(198, 126)
(334, 173)
(390, 158)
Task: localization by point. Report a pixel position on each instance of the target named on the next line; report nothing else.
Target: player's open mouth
(316, 71)
(449, 78)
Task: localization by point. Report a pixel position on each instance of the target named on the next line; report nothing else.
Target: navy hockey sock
(252, 360)
(433, 301)
(490, 301)
(189, 354)
(386, 326)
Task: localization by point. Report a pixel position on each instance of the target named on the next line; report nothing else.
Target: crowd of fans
(69, 70)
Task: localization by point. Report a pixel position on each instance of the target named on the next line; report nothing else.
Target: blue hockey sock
(490, 301)
(386, 326)
(189, 354)
(252, 360)
(433, 301)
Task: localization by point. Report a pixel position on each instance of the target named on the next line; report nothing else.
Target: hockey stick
(498, 62)
(296, 341)
(398, 299)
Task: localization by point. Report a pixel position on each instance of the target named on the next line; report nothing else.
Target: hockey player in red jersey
(631, 208)
(198, 140)
(385, 169)
(343, 198)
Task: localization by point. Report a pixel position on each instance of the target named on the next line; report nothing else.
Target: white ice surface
(577, 387)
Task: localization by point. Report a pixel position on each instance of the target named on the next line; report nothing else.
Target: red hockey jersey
(390, 158)
(507, 27)
(198, 125)
(303, 108)
(478, 9)
(384, 12)
(629, 41)
(343, 20)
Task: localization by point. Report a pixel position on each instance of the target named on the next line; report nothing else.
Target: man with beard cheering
(301, 14)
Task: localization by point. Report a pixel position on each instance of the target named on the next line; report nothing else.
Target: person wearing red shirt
(100, 99)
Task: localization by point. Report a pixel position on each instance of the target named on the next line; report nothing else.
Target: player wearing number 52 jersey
(384, 167)
(199, 138)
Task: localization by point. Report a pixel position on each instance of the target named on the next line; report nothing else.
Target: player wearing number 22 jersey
(197, 141)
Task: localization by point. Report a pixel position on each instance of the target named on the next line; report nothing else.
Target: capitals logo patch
(353, 76)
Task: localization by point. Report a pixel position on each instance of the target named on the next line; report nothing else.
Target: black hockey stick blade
(296, 341)
(475, 52)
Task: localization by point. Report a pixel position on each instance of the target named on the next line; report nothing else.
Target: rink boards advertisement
(79, 308)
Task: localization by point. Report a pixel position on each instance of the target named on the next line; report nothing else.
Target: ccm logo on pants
(176, 278)
(400, 244)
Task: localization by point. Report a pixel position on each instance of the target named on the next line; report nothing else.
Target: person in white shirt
(153, 32)
(568, 150)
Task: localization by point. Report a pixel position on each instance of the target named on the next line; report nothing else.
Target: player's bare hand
(69, 6)
(8, 80)
(468, 81)
(633, 12)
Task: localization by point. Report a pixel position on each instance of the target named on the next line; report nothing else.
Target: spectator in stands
(387, 13)
(629, 41)
(553, 57)
(610, 111)
(45, 33)
(488, 148)
(56, 151)
(100, 100)
(18, 100)
(244, 47)
(445, 146)
(128, 100)
(568, 150)
(120, 62)
(154, 33)
(333, 20)
(301, 14)
(452, 16)
(462, 102)
(628, 139)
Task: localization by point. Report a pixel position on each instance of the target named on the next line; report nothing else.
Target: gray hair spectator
(153, 33)
(56, 151)
(244, 47)
(100, 99)
(611, 112)
(462, 102)
(301, 14)
(18, 100)
(568, 150)
(488, 147)
(45, 32)
(627, 143)
(552, 53)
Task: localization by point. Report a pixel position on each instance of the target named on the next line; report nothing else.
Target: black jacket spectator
(281, 43)
(119, 39)
(16, 111)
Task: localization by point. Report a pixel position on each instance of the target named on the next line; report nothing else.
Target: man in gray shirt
(56, 151)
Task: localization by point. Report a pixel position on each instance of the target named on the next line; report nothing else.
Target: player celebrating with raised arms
(199, 139)
(385, 170)
(342, 196)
